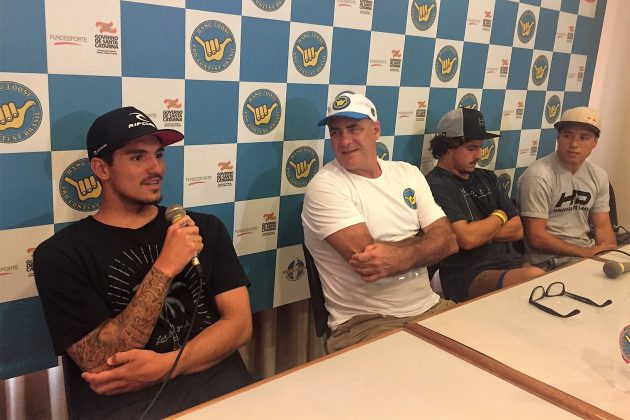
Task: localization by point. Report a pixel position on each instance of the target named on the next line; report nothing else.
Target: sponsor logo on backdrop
(68, 39)
(469, 100)
(526, 26)
(173, 115)
(395, 62)
(20, 112)
(269, 224)
(505, 183)
(104, 40)
(486, 24)
(520, 108)
(29, 262)
(580, 75)
(246, 231)
(212, 46)
(552, 109)
(310, 54)
(504, 69)
(488, 150)
(382, 151)
(261, 111)
(79, 188)
(9, 269)
(446, 63)
(421, 111)
(409, 197)
(540, 70)
(423, 13)
(269, 5)
(295, 270)
(571, 33)
(624, 343)
(225, 176)
(366, 7)
(197, 180)
(301, 166)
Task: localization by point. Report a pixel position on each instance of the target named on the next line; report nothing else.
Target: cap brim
(560, 124)
(482, 136)
(168, 136)
(348, 114)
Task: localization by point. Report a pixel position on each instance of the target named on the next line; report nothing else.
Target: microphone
(173, 214)
(614, 269)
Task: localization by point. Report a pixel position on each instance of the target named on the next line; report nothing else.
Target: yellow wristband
(500, 216)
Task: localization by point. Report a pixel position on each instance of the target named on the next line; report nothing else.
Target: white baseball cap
(350, 105)
(584, 116)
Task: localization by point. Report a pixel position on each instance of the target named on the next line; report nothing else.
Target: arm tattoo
(129, 330)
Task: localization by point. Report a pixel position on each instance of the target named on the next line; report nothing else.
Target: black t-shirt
(471, 199)
(88, 273)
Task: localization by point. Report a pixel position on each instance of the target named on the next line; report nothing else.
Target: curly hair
(440, 144)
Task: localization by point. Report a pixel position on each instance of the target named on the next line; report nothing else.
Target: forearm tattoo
(129, 330)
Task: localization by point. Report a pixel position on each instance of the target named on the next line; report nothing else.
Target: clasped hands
(380, 260)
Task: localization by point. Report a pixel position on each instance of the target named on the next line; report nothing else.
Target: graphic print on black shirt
(125, 273)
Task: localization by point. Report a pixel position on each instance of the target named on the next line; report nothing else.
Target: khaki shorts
(363, 327)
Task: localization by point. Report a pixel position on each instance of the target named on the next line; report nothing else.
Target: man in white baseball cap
(561, 192)
(372, 227)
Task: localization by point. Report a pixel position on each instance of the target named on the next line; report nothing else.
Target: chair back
(320, 313)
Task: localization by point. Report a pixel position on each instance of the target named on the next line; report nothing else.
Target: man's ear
(100, 168)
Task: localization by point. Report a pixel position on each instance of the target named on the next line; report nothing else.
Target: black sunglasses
(557, 289)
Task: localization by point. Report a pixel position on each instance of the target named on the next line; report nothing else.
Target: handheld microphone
(173, 214)
(614, 269)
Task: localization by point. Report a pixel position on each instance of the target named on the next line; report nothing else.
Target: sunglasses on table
(557, 289)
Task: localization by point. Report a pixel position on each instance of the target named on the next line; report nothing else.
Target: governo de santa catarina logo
(540, 70)
(213, 46)
(301, 166)
(526, 26)
(423, 13)
(262, 111)
(20, 112)
(79, 188)
(269, 5)
(446, 63)
(409, 197)
(310, 54)
(488, 149)
(552, 109)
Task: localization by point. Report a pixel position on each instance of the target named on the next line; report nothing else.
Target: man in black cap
(119, 291)
(484, 219)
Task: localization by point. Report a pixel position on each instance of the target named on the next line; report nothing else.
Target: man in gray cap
(372, 227)
(560, 193)
(484, 219)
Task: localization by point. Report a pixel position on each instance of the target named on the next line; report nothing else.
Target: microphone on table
(173, 214)
(614, 269)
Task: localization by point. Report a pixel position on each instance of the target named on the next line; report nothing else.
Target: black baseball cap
(119, 126)
(464, 122)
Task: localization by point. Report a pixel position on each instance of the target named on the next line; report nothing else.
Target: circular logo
(212, 46)
(505, 184)
(526, 26)
(262, 111)
(295, 270)
(20, 112)
(310, 54)
(446, 63)
(79, 188)
(340, 102)
(382, 151)
(469, 100)
(488, 148)
(269, 5)
(409, 197)
(301, 166)
(540, 70)
(624, 343)
(423, 13)
(552, 109)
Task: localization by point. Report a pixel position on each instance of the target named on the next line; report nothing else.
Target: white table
(572, 355)
(395, 377)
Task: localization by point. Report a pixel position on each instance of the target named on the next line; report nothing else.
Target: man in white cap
(483, 217)
(372, 227)
(560, 193)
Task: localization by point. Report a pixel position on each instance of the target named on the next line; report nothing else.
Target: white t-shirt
(394, 206)
(547, 190)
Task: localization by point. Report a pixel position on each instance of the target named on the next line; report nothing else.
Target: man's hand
(181, 244)
(424, 12)
(11, 116)
(130, 371)
(378, 260)
(89, 187)
(262, 114)
(213, 50)
(447, 65)
(309, 55)
(591, 251)
(302, 169)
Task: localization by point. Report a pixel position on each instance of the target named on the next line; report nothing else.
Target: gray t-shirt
(547, 190)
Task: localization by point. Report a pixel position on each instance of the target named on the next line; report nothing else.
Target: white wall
(611, 87)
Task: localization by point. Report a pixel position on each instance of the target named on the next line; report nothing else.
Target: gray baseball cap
(464, 122)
